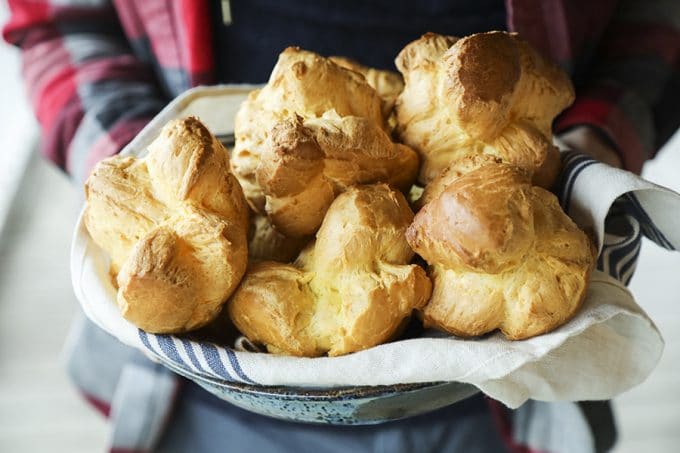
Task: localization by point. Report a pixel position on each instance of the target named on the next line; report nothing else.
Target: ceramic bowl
(361, 405)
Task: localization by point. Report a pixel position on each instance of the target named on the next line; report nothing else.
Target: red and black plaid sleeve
(633, 84)
(91, 95)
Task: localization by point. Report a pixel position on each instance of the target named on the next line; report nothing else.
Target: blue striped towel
(627, 219)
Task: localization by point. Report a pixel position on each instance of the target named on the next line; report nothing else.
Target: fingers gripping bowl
(344, 281)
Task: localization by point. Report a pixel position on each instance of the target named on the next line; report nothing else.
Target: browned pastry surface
(388, 84)
(502, 254)
(315, 129)
(174, 224)
(267, 244)
(348, 291)
(488, 93)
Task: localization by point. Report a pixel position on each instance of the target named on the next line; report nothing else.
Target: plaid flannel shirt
(98, 70)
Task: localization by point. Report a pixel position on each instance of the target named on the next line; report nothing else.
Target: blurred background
(41, 411)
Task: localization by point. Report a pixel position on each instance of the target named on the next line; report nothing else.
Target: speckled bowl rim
(330, 393)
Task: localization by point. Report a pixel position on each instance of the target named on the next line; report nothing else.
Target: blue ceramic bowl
(338, 406)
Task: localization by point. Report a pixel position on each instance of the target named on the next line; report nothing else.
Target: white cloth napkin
(607, 348)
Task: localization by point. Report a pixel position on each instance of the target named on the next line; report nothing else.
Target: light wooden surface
(39, 409)
(17, 125)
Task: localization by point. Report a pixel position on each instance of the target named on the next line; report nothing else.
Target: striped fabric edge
(573, 163)
(649, 228)
(621, 243)
(626, 222)
(203, 359)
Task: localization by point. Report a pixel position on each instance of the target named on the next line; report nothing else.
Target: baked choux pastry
(174, 224)
(502, 254)
(351, 289)
(488, 93)
(388, 84)
(265, 243)
(314, 130)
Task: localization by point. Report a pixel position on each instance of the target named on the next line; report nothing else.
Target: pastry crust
(315, 129)
(502, 254)
(488, 93)
(268, 244)
(388, 84)
(350, 290)
(174, 224)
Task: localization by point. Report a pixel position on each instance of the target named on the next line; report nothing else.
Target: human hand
(588, 141)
